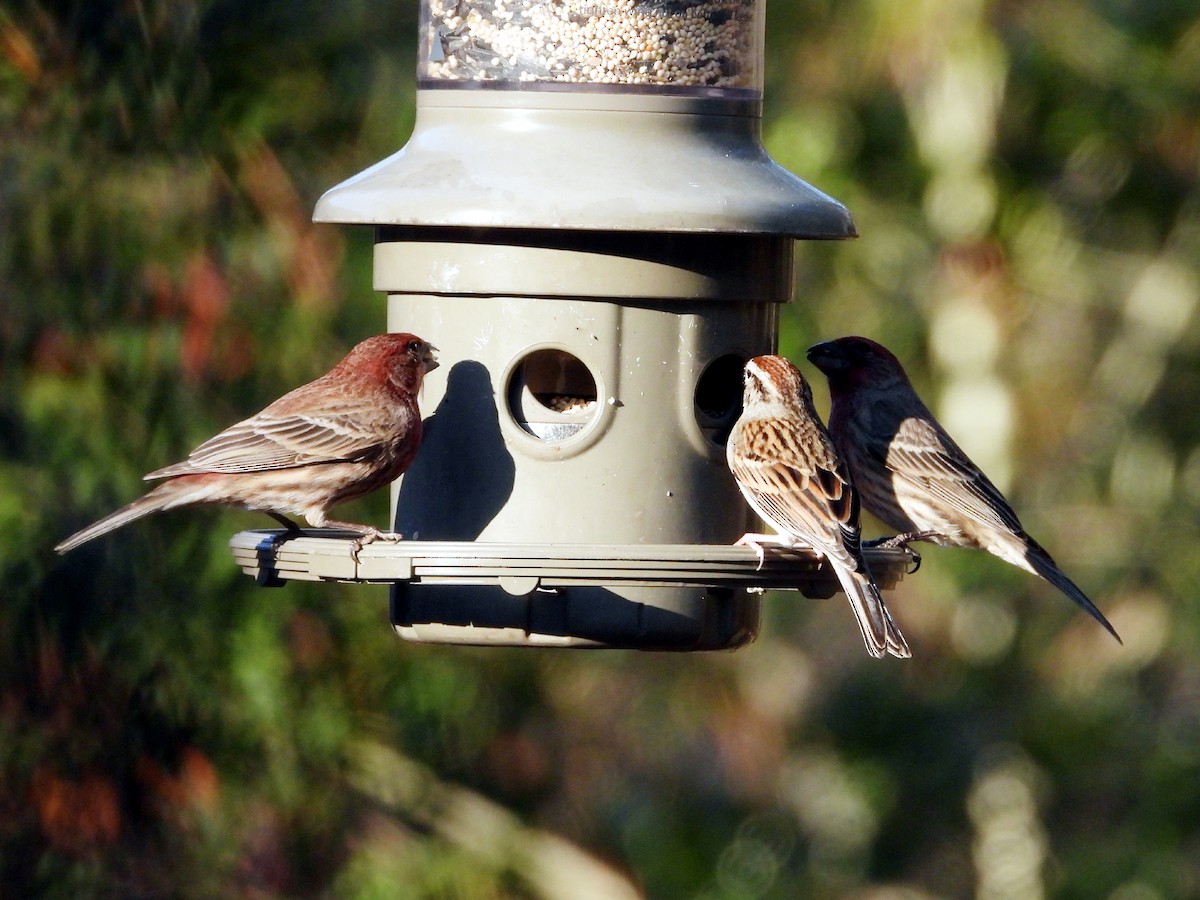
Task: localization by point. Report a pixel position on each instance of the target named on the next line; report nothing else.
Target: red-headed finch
(790, 474)
(911, 474)
(354, 429)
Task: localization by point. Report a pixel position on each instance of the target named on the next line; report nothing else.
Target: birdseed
(682, 43)
(567, 403)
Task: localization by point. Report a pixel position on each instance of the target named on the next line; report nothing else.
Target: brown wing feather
(808, 495)
(281, 438)
(926, 456)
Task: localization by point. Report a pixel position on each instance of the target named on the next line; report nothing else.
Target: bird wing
(266, 442)
(796, 482)
(278, 438)
(922, 453)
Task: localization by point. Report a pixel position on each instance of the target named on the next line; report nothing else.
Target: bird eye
(414, 347)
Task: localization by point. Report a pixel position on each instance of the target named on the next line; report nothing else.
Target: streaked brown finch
(789, 472)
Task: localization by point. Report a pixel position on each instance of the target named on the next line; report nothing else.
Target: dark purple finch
(910, 473)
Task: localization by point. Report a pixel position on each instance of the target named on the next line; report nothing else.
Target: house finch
(354, 429)
(911, 474)
(790, 474)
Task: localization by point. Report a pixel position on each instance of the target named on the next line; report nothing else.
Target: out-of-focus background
(1024, 177)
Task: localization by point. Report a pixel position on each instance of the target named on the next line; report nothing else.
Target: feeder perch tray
(272, 558)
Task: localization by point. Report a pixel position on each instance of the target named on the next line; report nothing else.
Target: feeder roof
(612, 162)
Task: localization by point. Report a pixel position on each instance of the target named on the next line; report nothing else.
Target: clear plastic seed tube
(672, 46)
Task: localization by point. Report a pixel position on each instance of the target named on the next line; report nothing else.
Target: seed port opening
(718, 397)
(552, 395)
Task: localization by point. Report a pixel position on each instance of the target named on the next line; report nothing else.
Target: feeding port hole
(552, 395)
(718, 397)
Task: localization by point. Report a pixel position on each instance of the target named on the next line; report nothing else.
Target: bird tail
(1040, 563)
(879, 631)
(165, 496)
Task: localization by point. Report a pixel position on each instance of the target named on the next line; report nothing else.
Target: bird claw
(747, 540)
(756, 542)
(370, 536)
(916, 560)
(901, 542)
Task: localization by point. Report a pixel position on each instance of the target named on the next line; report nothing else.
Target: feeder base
(642, 596)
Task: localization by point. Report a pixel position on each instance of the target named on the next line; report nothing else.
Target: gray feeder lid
(325, 555)
(571, 160)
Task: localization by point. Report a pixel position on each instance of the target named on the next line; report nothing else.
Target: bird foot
(371, 535)
(756, 541)
(901, 542)
(367, 534)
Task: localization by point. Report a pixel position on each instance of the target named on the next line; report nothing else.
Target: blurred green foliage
(1024, 177)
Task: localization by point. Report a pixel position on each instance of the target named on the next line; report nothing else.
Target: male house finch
(354, 429)
(790, 474)
(911, 474)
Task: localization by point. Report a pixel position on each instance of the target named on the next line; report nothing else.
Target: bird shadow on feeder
(463, 475)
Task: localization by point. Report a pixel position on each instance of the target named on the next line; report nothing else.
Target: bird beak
(826, 358)
(429, 359)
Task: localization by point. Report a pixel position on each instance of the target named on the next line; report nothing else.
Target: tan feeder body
(587, 227)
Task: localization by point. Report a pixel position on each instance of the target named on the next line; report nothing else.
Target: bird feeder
(585, 223)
